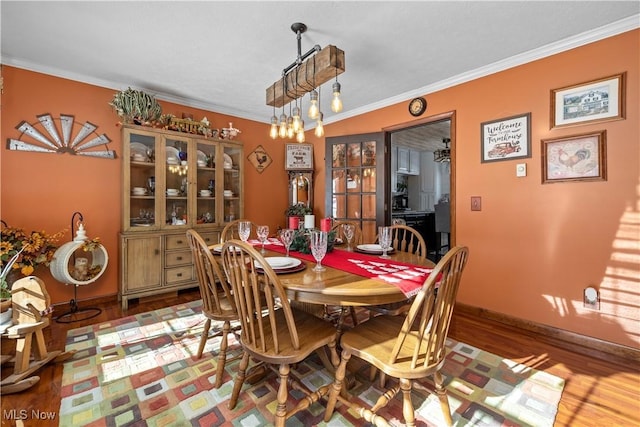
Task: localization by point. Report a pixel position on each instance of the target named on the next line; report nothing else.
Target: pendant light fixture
(305, 75)
(443, 155)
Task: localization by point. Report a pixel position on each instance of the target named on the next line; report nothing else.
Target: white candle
(309, 221)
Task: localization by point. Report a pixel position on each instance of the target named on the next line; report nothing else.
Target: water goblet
(151, 184)
(348, 230)
(318, 248)
(244, 230)
(286, 236)
(263, 234)
(384, 239)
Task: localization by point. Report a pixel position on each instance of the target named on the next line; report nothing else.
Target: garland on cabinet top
(61, 140)
(141, 108)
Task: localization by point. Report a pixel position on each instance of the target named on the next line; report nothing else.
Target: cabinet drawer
(178, 274)
(171, 259)
(176, 241)
(211, 238)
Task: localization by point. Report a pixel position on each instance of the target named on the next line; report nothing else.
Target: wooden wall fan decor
(52, 142)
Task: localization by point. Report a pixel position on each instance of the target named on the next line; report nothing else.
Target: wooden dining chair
(272, 331)
(230, 231)
(408, 347)
(408, 239)
(217, 300)
(404, 239)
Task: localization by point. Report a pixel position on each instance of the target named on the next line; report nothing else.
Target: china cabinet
(172, 182)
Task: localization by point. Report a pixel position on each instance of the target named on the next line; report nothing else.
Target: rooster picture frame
(575, 158)
(259, 158)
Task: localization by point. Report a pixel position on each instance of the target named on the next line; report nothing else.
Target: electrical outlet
(521, 169)
(476, 203)
(591, 298)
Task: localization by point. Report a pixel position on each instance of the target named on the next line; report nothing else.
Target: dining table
(342, 285)
(351, 278)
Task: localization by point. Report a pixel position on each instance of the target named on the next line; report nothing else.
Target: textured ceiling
(221, 56)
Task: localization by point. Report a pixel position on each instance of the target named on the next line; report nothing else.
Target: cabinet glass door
(141, 175)
(176, 185)
(231, 162)
(206, 183)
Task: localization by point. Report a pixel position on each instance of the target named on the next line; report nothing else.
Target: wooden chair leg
(222, 355)
(441, 392)
(237, 384)
(204, 337)
(354, 318)
(283, 394)
(336, 387)
(407, 406)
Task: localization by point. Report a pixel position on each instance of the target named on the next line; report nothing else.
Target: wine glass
(151, 184)
(286, 237)
(384, 239)
(263, 234)
(318, 248)
(348, 230)
(244, 230)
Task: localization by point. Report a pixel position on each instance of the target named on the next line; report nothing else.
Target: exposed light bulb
(291, 130)
(319, 132)
(282, 131)
(313, 106)
(296, 123)
(300, 135)
(273, 132)
(336, 102)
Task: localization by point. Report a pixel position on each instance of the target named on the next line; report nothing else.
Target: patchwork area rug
(141, 371)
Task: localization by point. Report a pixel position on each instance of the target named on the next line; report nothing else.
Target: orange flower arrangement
(37, 248)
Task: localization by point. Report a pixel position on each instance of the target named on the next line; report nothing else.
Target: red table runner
(409, 278)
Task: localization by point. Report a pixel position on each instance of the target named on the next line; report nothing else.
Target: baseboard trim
(562, 338)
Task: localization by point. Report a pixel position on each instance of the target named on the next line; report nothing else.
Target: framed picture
(298, 157)
(506, 139)
(575, 158)
(259, 158)
(594, 101)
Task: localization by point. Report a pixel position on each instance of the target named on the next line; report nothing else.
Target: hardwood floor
(599, 391)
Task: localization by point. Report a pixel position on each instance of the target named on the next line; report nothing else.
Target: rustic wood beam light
(329, 63)
(307, 73)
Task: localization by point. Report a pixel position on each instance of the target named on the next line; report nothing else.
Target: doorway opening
(420, 184)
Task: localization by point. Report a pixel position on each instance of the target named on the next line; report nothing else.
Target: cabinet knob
(179, 242)
(179, 274)
(157, 252)
(179, 258)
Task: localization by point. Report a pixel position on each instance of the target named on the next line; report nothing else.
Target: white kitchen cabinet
(408, 161)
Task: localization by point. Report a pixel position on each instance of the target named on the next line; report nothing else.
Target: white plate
(172, 155)
(228, 163)
(202, 157)
(372, 248)
(280, 262)
(138, 148)
(218, 249)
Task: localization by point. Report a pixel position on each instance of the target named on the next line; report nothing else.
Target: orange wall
(533, 247)
(42, 191)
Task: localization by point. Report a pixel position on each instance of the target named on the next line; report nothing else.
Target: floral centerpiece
(22, 253)
(302, 241)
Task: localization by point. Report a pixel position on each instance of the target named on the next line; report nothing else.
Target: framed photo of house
(506, 139)
(575, 158)
(589, 102)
